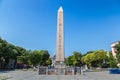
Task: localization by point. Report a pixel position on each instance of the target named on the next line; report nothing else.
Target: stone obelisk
(60, 38)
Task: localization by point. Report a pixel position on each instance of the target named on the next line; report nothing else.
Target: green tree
(35, 57)
(7, 52)
(39, 57)
(48, 62)
(75, 59)
(22, 59)
(21, 55)
(111, 61)
(69, 61)
(77, 56)
(95, 59)
(45, 56)
(88, 59)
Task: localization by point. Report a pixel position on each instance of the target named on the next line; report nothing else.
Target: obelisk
(60, 38)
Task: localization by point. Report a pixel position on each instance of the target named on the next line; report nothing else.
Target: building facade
(113, 49)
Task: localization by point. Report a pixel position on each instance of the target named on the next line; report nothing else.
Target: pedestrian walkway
(31, 75)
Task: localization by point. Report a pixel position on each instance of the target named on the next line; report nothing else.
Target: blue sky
(89, 24)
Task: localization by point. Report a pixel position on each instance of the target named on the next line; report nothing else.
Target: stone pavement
(31, 75)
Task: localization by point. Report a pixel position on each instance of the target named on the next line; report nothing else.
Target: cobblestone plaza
(31, 75)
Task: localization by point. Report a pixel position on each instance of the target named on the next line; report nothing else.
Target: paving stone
(31, 75)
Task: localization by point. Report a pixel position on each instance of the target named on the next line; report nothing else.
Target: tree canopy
(96, 58)
(9, 51)
(75, 59)
(21, 55)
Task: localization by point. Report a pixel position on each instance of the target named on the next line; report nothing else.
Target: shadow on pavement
(6, 70)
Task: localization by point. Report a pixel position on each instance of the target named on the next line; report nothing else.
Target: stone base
(60, 64)
(60, 71)
(42, 70)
